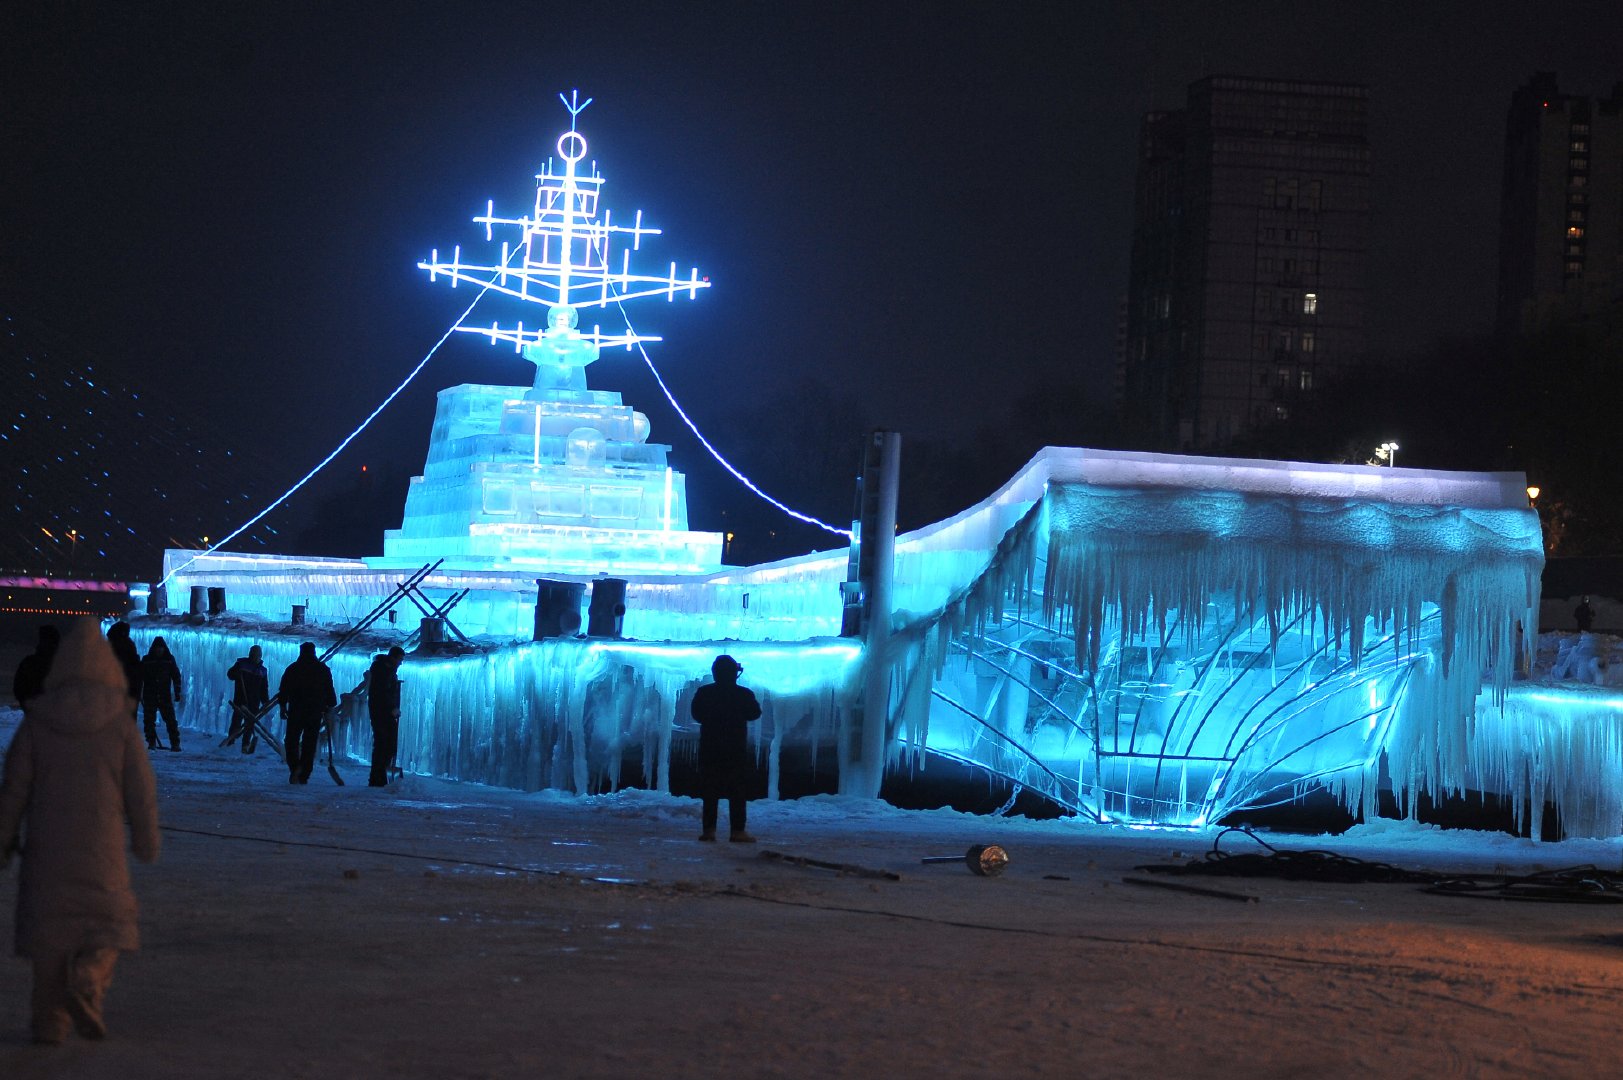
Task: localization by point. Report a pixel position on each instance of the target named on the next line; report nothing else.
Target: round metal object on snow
(986, 860)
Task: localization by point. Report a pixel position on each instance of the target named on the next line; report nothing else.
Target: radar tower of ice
(556, 478)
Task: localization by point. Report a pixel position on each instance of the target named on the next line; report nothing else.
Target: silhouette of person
(129, 658)
(30, 677)
(306, 693)
(75, 773)
(160, 693)
(383, 706)
(724, 710)
(1584, 615)
(250, 693)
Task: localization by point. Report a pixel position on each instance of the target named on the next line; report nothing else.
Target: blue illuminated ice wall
(1170, 641)
(1142, 638)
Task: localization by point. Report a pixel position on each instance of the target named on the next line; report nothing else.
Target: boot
(741, 837)
(87, 982)
(708, 836)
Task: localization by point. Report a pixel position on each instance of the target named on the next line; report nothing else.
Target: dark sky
(925, 206)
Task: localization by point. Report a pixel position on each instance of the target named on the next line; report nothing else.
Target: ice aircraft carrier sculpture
(1142, 638)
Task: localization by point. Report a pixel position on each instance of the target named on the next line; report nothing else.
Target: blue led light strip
(725, 464)
(373, 415)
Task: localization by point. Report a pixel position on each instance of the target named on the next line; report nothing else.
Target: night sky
(924, 209)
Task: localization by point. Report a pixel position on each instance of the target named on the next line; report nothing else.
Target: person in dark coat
(76, 790)
(160, 693)
(129, 658)
(724, 711)
(30, 677)
(250, 693)
(383, 706)
(1584, 615)
(305, 693)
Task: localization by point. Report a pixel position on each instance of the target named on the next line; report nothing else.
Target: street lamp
(1532, 495)
(73, 548)
(1388, 452)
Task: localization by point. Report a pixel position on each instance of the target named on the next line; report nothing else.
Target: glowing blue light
(567, 245)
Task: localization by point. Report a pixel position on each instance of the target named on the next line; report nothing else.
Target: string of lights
(722, 461)
(351, 437)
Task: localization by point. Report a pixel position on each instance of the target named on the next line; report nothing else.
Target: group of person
(305, 697)
(152, 681)
(77, 776)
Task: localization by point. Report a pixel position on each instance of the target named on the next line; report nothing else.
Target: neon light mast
(568, 257)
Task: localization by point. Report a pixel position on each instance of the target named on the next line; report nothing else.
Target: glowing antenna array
(573, 256)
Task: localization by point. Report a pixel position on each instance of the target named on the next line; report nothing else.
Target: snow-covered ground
(449, 930)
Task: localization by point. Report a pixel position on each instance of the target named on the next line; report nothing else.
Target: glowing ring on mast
(576, 142)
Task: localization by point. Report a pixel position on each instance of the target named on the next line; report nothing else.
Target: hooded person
(30, 677)
(161, 691)
(76, 771)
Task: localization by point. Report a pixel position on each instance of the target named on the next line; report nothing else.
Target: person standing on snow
(160, 693)
(1584, 616)
(250, 693)
(129, 658)
(30, 677)
(74, 774)
(383, 706)
(306, 693)
(724, 711)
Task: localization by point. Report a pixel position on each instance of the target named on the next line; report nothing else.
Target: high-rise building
(1561, 218)
(1250, 228)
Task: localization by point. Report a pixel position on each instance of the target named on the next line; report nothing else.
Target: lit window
(1580, 147)
(1574, 231)
(1575, 267)
(1310, 303)
(1281, 413)
(1575, 249)
(1284, 377)
(1307, 379)
(1579, 163)
(1307, 341)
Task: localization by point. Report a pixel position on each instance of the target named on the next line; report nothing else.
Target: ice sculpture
(1169, 639)
(1143, 638)
(556, 479)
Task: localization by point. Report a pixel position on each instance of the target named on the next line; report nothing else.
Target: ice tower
(556, 477)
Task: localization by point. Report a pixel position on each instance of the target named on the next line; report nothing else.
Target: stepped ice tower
(558, 479)
(1141, 638)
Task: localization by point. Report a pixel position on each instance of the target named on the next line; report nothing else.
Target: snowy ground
(444, 930)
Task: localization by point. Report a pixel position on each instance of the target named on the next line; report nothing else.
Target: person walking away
(74, 774)
(160, 693)
(306, 693)
(129, 658)
(30, 677)
(724, 711)
(383, 706)
(1584, 615)
(250, 693)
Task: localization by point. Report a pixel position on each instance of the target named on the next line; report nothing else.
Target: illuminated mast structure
(557, 478)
